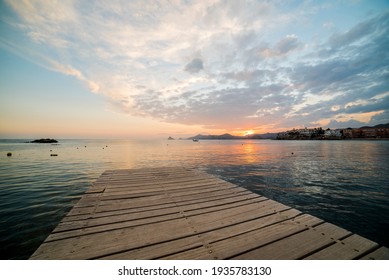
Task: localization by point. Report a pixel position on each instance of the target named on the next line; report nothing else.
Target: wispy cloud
(220, 64)
(283, 47)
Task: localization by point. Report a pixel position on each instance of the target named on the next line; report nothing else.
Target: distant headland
(380, 131)
(233, 137)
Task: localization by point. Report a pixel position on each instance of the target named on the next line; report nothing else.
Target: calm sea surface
(342, 182)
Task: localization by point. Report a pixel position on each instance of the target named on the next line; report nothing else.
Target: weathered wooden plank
(130, 181)
(202, 240)
(161, 187)
(150, 179)
(212, 214)
(109, 242)
(150, 174)
(166, 202)
(154, 170)
(162, 204)
(381, 253)
(298, 245)
(158, 189)
(91, 215)
(112, 241)
(154, 200)
(150, 183)
(235, 215)
(96, 189)
(238, 243)
(348, 248)
(201, 194)
(91, 201)
(200, 207)
(155, 186)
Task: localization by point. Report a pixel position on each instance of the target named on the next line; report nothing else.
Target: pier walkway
(180, 213)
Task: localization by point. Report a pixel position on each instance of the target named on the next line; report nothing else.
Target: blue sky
(157, 68)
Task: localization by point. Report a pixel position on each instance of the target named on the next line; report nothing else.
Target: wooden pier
(180, 213)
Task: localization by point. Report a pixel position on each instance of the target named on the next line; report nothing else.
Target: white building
(331, 133)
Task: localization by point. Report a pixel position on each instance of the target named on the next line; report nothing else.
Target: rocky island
(44, 140)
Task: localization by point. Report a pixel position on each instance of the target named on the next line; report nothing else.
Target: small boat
(195, 140)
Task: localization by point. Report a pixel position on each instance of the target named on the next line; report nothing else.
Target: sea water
(343, 182)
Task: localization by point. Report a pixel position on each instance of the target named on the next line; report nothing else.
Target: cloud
(195, 66)
(345, 124)
(381, 118)
(282, 47)
(353, 72)
(220, 64)
(355, 34)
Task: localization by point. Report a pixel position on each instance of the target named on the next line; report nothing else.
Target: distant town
(380, 131)
(376, 132)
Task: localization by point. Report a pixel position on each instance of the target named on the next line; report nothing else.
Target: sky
(153, 69)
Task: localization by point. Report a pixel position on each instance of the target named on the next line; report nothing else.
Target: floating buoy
(53, 155)
(9, 154)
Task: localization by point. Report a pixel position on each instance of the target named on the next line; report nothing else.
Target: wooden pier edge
(184, 213)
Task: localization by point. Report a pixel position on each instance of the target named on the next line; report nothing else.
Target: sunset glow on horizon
(146, 69)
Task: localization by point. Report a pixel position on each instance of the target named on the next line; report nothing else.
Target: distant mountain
(377, 126)
(233, 137)
(228, 136)
(263, 136)
(213, 137)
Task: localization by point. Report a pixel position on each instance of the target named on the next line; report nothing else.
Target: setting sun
(248, 132)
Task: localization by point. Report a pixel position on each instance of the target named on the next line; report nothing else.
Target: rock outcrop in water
(44, 140)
